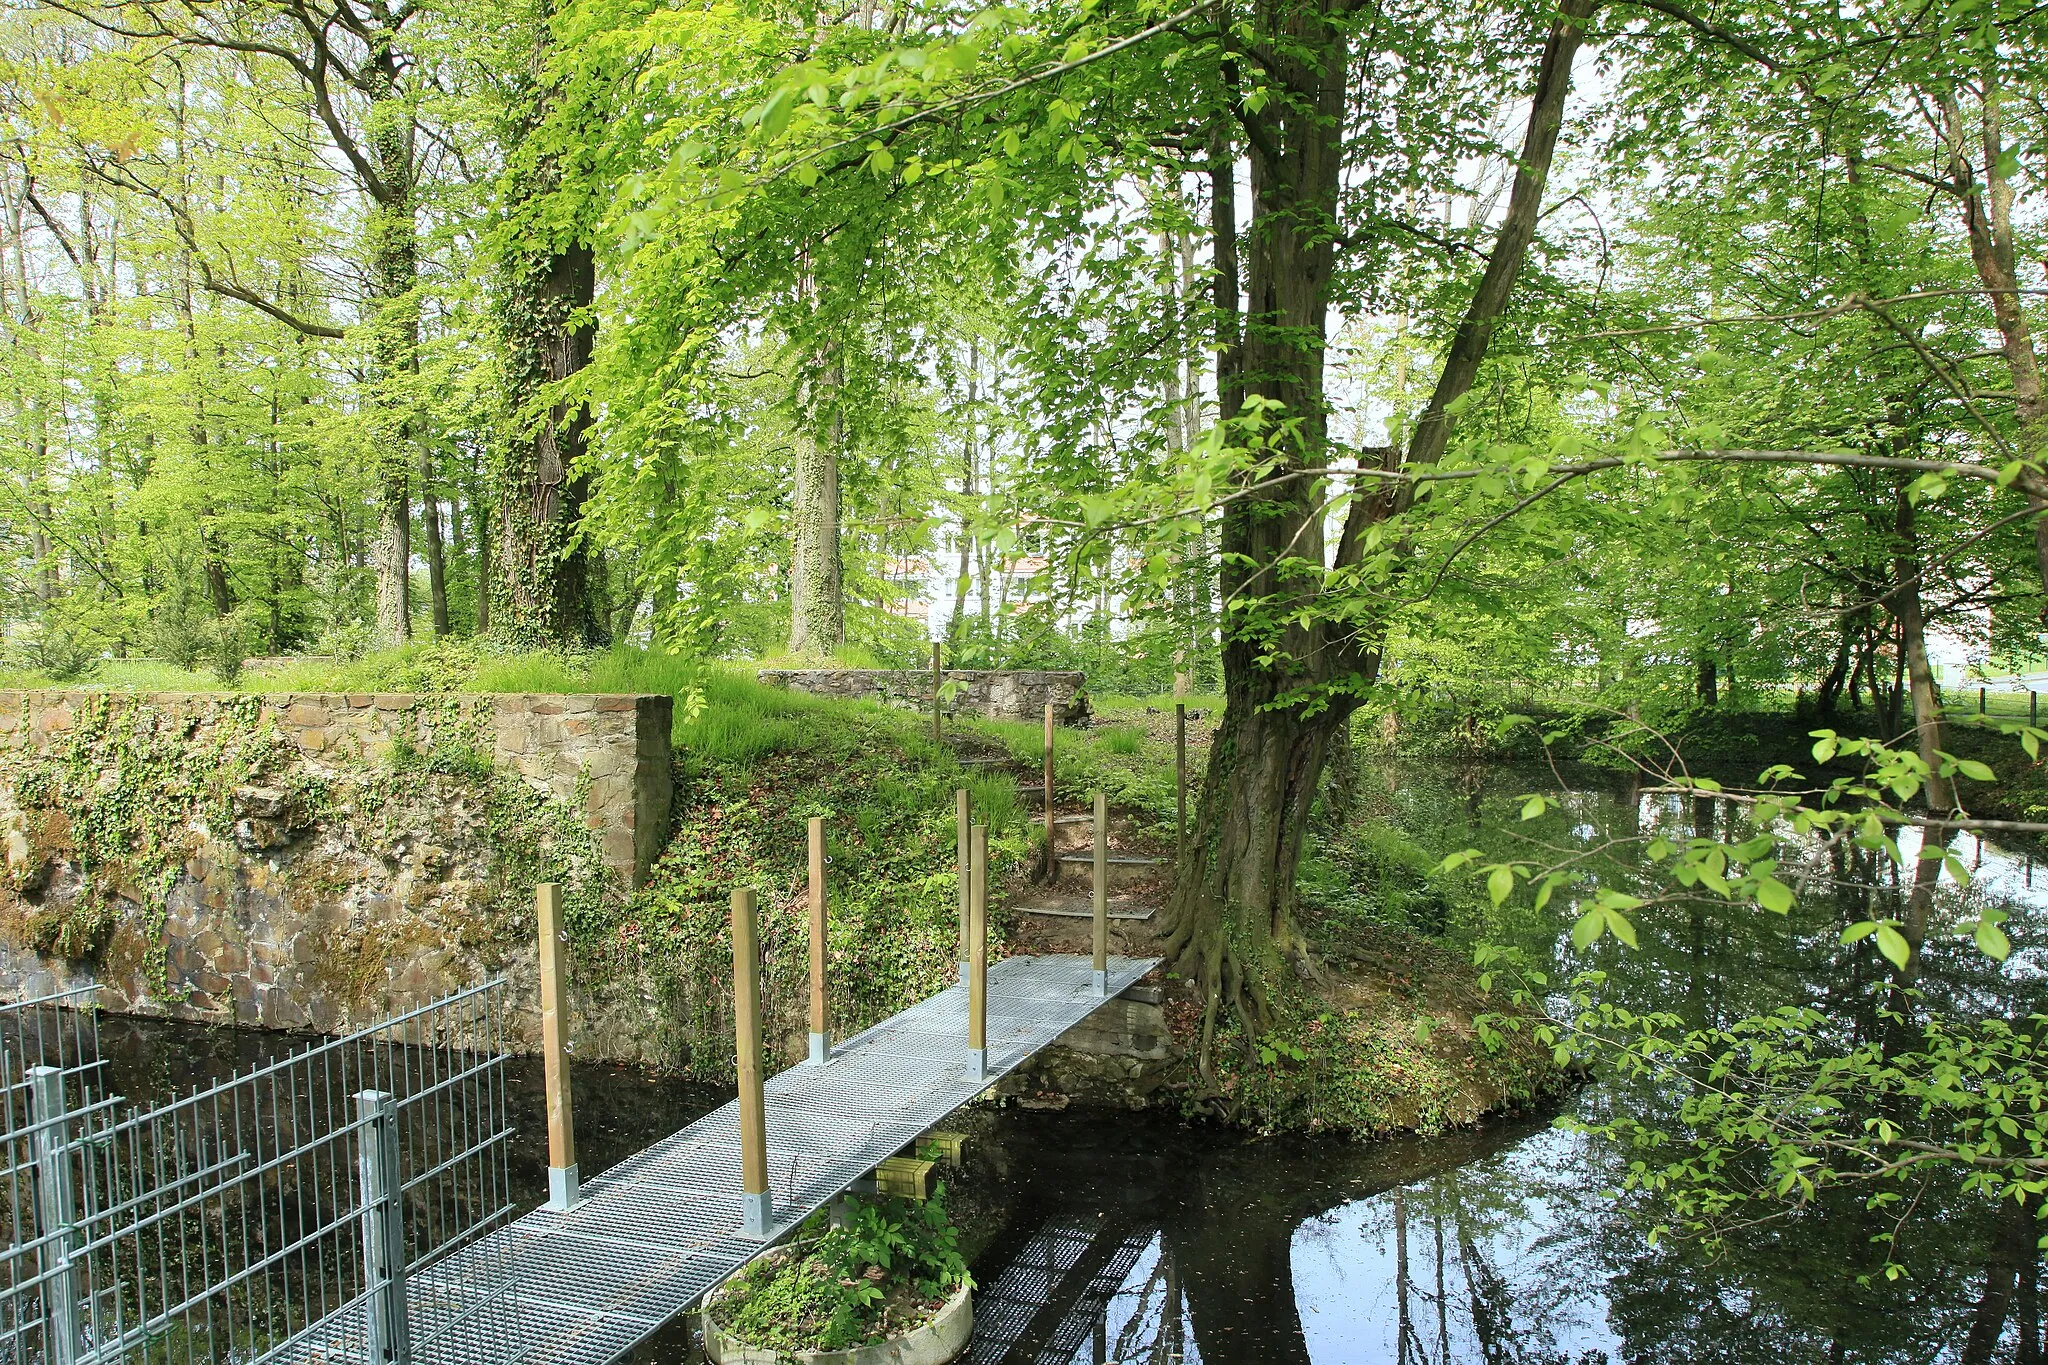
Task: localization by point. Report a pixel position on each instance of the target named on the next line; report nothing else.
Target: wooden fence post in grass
(756, 1215)
(963, 817)
(2033, 707)
(564, 1190)
(938, 735)
(1101, 907)
(1981, 707)
(821, 1026)
(1052, 858)
(977, 973)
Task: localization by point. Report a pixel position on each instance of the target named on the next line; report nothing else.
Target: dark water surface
(1099, 1238)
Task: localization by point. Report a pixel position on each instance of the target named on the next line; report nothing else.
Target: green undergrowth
(754, 767)
(1127, 755)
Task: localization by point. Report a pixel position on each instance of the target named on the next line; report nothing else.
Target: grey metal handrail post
(377, 1172)
(63, 1336)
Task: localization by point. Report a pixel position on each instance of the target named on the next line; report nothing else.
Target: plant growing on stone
(880, 1272)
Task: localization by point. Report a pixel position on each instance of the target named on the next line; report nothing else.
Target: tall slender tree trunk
(1987, 221)
(484, 582)
(963, 577)
(1913, 649)
(395, 343)
(437, 564)
(817, 607)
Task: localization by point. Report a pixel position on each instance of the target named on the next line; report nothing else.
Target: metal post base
(821, 1048)
(755, 1219)
(565, 1188)
(965, 967)
(1102, 983)
(977, 1059)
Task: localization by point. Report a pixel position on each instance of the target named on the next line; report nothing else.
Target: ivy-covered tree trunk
(395, 344)
(541, 589)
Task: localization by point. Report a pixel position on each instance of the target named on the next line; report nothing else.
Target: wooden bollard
(1101, 906)
(1052, 852)
(938, 735)
(963, 817)
(821, 1026)
(756, 1215)
(564, 1188)
(977, 957)
(2033, 707)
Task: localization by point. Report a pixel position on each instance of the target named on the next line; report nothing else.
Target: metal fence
(294, 1212)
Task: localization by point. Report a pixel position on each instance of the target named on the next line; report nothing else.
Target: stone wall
(323, 860)
(1000, 694)
(608, 753)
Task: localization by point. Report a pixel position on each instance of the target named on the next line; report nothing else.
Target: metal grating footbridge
(652, 1234)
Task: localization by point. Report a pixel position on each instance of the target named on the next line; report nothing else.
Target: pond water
(1100, 1239)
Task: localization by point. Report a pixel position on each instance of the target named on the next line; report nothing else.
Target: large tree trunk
(542, 584)
(1231, 916)
(395, 349)
(1232, 910)
(817, 606)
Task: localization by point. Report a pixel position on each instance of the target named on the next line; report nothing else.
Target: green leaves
(1890, 941)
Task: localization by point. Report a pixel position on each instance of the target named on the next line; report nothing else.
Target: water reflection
(1508, 1244)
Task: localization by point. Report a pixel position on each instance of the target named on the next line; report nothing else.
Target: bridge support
(756, 1215)
(1101, 906)
(821, 1026)
(977, 955)
(564, 1187)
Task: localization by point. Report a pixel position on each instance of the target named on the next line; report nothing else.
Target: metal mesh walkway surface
(659, 1229)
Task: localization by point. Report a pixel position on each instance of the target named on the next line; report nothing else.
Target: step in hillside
(1068, 912)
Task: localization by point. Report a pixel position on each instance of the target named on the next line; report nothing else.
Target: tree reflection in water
(1507, 1245)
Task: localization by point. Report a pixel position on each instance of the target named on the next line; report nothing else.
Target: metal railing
(296, 1211)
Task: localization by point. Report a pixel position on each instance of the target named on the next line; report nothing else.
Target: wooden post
(821, 1027)
(963, 817)
(1180, 779)
(1980, 701)
(2033, 707)
(1052, 853)
(938, 735)
(756, 1215)
(1101, 907)
(564, 1190)
(977, 973)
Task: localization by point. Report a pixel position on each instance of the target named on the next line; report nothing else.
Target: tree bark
(1913, 646)
(542, 588)
(437, 563)
(1290, 681)
(1987, 221)
(817, 608)
(1232, 909)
